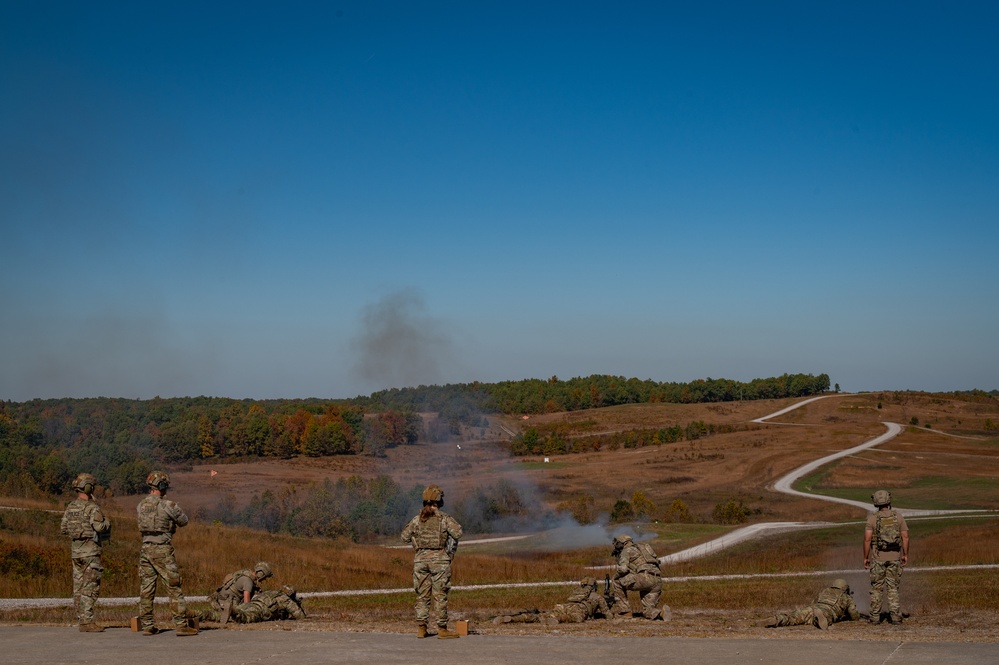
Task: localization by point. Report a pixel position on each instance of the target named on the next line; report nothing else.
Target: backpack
(887, 532)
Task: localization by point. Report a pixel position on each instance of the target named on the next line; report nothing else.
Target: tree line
(44, 443)
(534, 396)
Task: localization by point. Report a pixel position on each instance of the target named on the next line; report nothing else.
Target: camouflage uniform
(432, 563)
(271, 605)
(523, 616)
(637, 570)
(84, 522)
(226, 597)
(833, 604)
(584, 604)
(885, 561)
(158, 521)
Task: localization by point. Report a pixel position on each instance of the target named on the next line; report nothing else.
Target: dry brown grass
(920, 466)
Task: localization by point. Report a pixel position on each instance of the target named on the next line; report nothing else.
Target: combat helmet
(262, 570)
(881, 498)
(841, 584)
(85, 483)
(158, 480)
(433, 493)
(621, 539)
(588, 582)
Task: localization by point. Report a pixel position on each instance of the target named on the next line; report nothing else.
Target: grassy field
(954, 469)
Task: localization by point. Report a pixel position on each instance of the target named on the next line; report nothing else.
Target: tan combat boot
(152, 630)
(91, 628)
(445, 634)
(184, 631)
(821, 622)
(421, 632)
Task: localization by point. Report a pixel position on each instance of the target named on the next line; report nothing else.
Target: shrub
(580, 507)
(642, 504)
(678, 512)
(730, 512)
(622, 511)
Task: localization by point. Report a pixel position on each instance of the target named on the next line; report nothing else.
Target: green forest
(43, 443)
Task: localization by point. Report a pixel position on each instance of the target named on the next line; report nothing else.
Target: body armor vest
(650, 563)
(829, 597)
(152, 518)
(230, 579)
(78, 526)
(430, 534)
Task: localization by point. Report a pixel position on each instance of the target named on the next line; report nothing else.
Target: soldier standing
(833, 604)
(84, 522)
(158, 521)
(434, 536)
(637, 570)
(886, 551)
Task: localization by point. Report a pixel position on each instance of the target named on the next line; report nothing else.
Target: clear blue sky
(324, 199)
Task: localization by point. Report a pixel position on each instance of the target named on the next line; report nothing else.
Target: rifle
(104, 537)
(608, 596)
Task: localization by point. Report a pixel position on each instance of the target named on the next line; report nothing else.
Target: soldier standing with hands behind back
(886, 551)
(158, 521)
(434, 536)
(84, 522)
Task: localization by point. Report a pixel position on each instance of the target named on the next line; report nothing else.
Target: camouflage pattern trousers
(804, 616)
(885, 578)
(431, 579)
(649, 588)
(87, 572)
(157, 562)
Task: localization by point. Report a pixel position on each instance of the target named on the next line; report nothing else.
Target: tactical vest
(78, 526)
(153, 518)
(231, 578)
(829, 596)
(887, 532)
(430, 535)
(650, 562)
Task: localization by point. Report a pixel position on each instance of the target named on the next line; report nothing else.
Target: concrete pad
(40, 645)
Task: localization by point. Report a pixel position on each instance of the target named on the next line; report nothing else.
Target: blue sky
(325, 199)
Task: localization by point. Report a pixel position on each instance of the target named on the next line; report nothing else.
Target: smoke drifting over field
(512, 504)
(399, 344)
